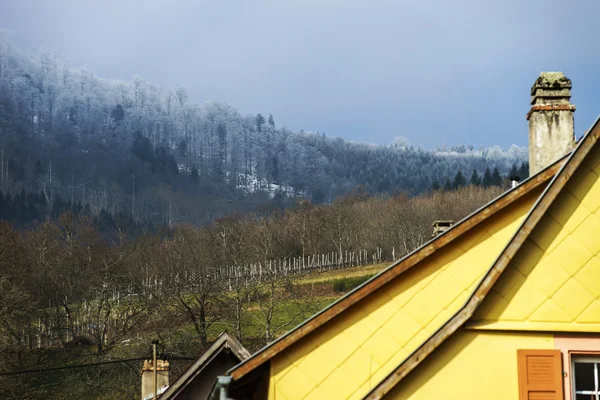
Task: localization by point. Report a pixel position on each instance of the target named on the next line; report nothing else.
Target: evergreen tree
(271, 121)
(523, 172)
(447, 184)
(19, 205)
(275, 169)
(3, 206)
(487, 178)
(514, 171)
(221, 155)
(475, 178)
(459, 180)
(435, 185)
(260, 120)
(195, 175)
(31, 213)
(58, 207)
(105, 222)
(496, 178)
(182, 148)
(9, 211)
(38, 170)
(142, 148)
(117, 116)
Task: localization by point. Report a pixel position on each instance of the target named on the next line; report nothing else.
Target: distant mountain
(143, 150)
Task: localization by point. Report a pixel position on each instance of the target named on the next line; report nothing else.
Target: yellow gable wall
(471, 365)
(352, 353)
(553, 283)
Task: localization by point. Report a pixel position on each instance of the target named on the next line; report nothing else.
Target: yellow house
(503, 305)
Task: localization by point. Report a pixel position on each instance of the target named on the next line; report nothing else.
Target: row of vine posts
(84, 323)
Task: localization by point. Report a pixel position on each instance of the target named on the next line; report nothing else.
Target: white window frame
(590, 359)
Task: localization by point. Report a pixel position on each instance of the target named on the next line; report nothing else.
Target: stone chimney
(441, 226)
(162, 378)
(551, 122)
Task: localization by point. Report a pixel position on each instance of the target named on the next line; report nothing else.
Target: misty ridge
(150, 155)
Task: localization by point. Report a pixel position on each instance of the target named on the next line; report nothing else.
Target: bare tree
(230, 236)
(195, 284)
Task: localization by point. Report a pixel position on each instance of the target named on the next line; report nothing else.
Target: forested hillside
(72, 140)
(70, 297)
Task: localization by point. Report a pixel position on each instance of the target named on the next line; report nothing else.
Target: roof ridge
(545, 200)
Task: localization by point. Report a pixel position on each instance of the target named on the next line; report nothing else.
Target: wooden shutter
(540, 375)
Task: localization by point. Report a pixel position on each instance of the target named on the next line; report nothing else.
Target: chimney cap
(443, 222)
(161, 365)
(551, 80)
(441, 226)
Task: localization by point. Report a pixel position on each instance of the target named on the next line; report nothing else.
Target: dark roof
(223, 342)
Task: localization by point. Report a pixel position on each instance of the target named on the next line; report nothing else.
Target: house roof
(396, 269)
(548, 196)
(223, 342)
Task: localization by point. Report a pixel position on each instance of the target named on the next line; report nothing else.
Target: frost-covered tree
(97, 138)
(260, 121)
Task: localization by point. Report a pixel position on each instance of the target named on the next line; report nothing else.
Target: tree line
(62, 262)
(488, 179)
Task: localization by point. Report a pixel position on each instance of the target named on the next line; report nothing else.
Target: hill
(133, 148)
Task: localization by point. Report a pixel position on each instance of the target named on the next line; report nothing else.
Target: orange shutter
(540, 375)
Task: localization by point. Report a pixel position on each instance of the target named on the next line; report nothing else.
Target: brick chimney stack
(551, 122)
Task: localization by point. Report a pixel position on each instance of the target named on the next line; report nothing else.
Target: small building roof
(223, 343)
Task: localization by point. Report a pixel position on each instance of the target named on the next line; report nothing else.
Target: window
(585, 373)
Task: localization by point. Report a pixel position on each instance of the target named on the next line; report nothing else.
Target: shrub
(346, 284)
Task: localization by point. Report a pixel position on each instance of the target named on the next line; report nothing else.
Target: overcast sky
(434, 72)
